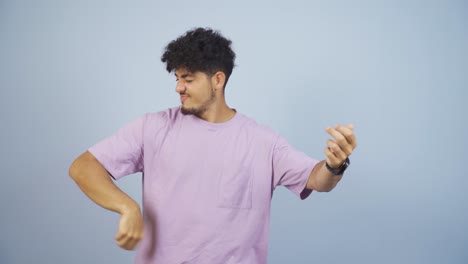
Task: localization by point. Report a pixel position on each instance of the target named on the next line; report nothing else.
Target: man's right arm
(94, 180)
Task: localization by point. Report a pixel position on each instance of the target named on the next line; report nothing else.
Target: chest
(226, 168)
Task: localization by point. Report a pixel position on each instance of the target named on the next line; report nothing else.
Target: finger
(351, 137)
(350, 143)
(129, 244)
(340, 132)
(122, 240)
(125, 243)
(335, 134)
(135, 242)
(330, 158)
(122, 237)
(119, 236)
(337, 151)
(129, 241)
(341, 140)
(350, 126)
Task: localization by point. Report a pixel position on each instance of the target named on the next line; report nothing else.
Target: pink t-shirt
(207, 187)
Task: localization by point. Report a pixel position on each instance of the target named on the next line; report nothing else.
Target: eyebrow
(183, 75)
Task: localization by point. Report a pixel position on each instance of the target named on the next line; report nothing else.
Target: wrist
(129, 207)
(340, 169)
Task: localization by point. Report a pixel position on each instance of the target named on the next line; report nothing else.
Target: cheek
(201, 91)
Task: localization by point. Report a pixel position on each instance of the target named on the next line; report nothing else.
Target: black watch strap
(338, 171)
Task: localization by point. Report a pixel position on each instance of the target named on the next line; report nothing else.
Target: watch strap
(338, 171)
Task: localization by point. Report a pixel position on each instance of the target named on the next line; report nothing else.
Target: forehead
(182, 73)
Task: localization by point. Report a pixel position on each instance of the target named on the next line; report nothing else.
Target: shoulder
(260, 131)
(162, 118)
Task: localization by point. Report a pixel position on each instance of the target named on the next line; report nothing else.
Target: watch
(338, 171)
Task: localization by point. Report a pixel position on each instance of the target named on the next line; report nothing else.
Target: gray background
(73, 72)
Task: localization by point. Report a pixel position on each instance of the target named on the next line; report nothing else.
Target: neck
(218, 112)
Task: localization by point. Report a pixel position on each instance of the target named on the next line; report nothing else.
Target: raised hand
(341, 146)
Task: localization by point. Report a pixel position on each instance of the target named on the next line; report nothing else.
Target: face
(196, 92)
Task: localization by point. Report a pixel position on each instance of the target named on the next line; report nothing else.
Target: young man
(209, 172)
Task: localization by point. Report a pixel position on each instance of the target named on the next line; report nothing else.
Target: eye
(189, 81)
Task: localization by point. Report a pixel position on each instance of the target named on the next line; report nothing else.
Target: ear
(218, 79)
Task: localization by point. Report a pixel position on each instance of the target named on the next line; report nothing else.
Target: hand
(130, 229)
(342, 145)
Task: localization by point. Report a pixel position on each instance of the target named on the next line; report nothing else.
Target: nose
(180, 87)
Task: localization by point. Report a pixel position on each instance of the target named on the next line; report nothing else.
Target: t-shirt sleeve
(291, 168)
(122, 153)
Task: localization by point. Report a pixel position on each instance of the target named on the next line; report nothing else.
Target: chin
(190, 110)
(197, 111)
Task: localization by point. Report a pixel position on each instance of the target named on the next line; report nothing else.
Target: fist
(130, 230)
(341, 146)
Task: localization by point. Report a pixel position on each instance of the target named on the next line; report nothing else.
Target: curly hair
(200, 49)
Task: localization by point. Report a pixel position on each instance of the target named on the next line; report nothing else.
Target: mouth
(183, 97)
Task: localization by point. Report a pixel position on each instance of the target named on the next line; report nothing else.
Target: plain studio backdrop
(73, 72)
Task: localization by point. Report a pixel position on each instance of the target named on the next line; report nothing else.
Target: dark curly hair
(200, 49)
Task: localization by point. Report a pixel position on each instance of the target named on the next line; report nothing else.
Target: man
(209, 172)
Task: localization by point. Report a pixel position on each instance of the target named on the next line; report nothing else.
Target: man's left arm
(337, 151)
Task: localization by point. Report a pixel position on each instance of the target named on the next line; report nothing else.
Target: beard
(192, 110)
(198, 111)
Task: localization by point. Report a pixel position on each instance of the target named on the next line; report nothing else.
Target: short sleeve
(291, 168)
(122, 153)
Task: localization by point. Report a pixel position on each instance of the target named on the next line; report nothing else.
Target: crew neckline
(210, 125)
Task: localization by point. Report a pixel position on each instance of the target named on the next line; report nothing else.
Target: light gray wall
(73, 72)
